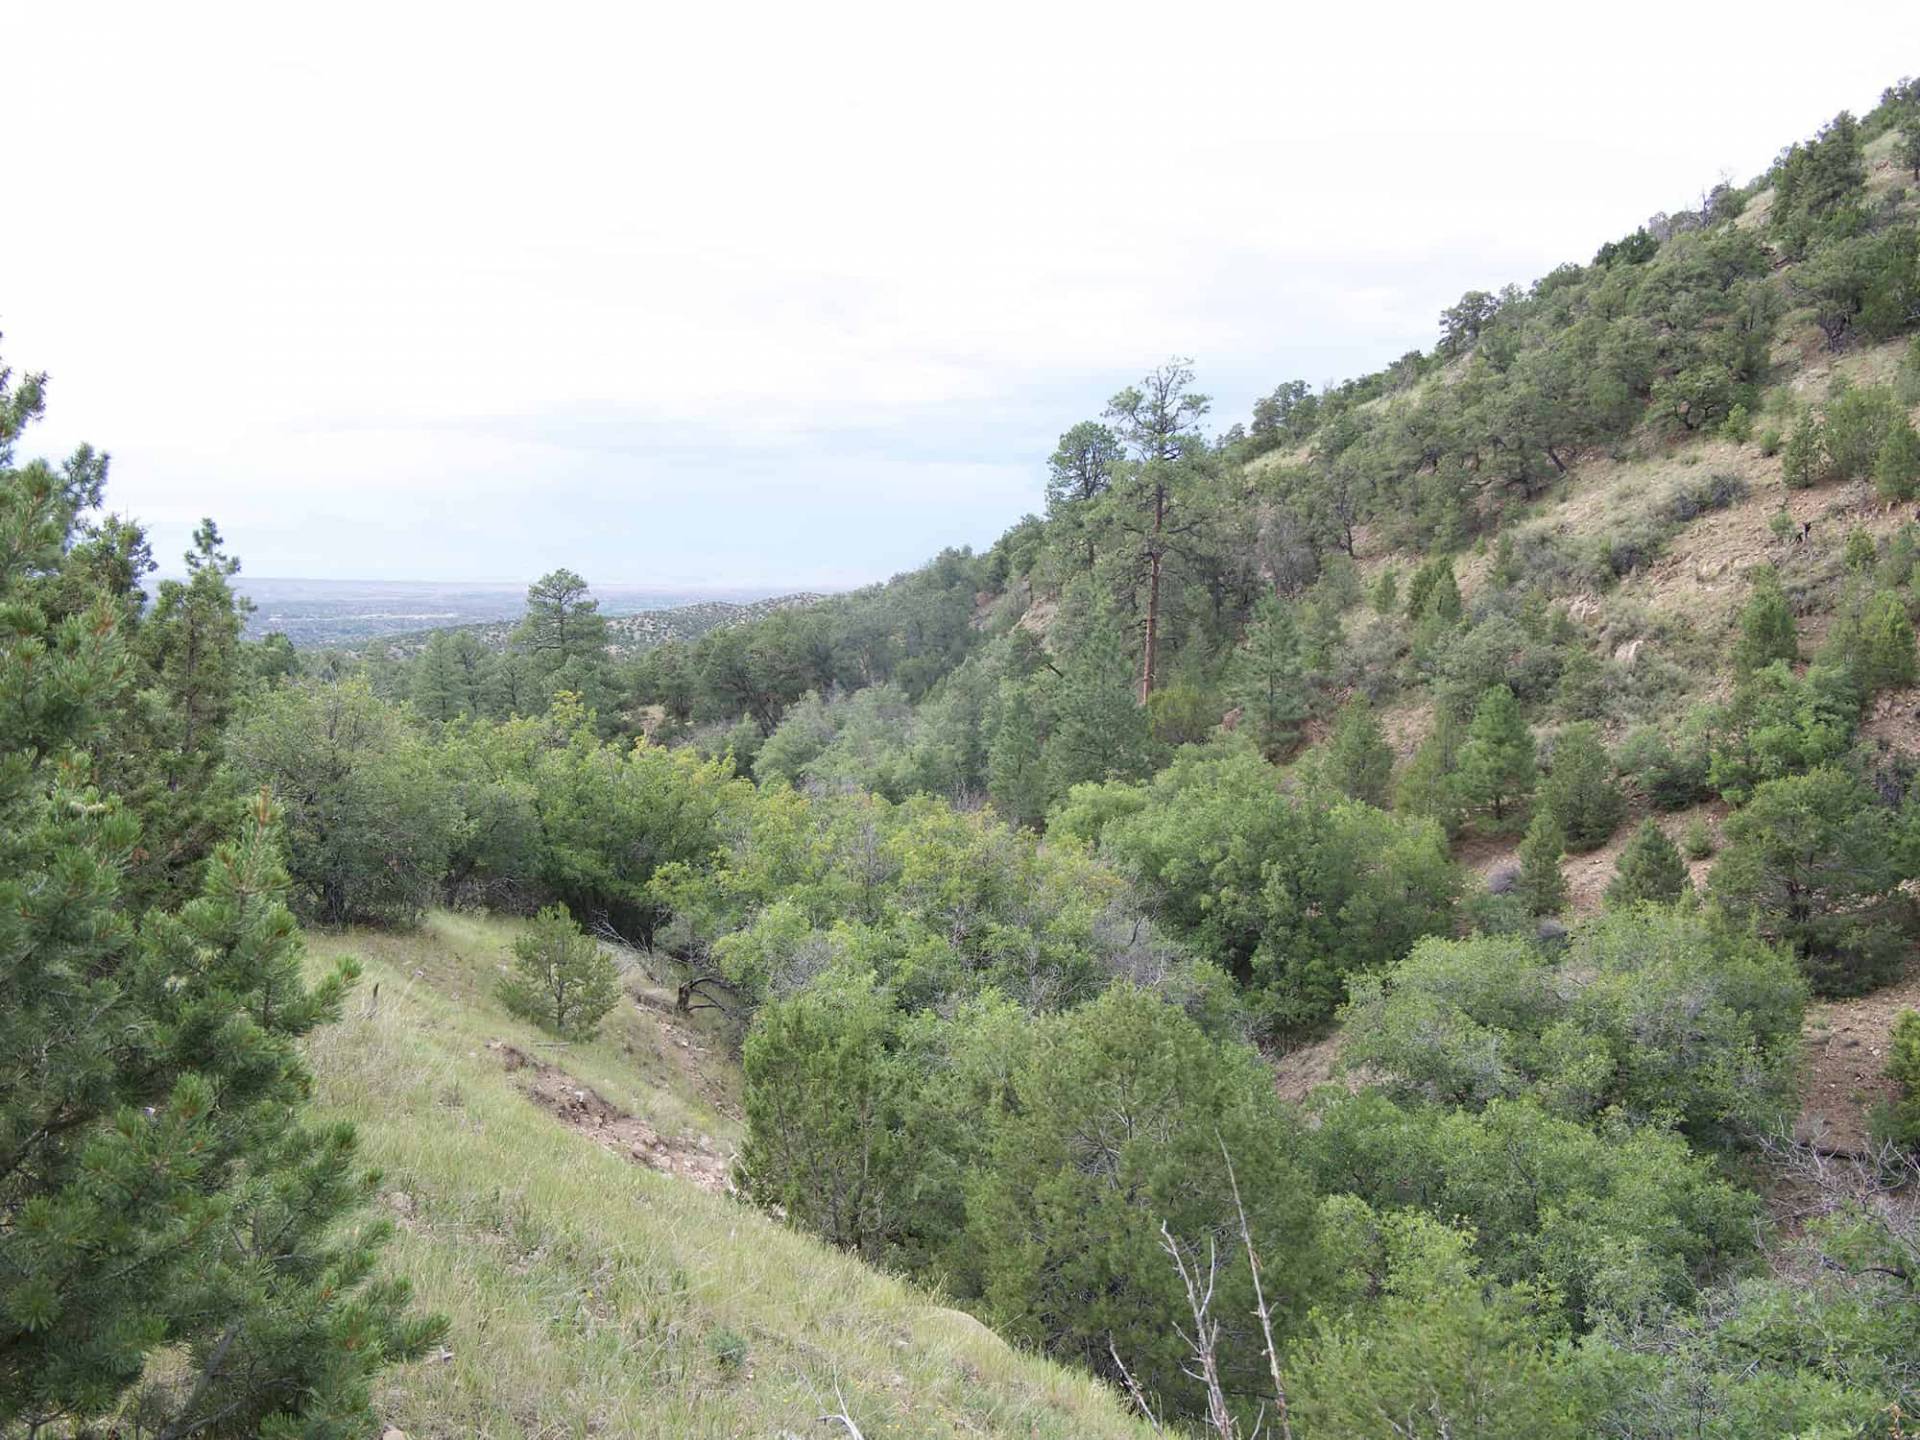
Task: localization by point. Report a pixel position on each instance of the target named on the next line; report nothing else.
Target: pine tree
(1269, 680)
(1016, 763)
(1386, 593)
(157, 1191)
(1886, 635)
(1766, 626)
(1861, 553)
(1497, 764)
(1429, 785)
(1805, 458)
(1580, 789)
(1359, 760)
(191, 645)
(1541, 886)
(1100, 729)
(561, 979)
(1649, 868)
(1896, 468)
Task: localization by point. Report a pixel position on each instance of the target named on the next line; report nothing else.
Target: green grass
(590, 1296)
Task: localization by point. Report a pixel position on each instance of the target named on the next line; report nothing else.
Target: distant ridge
(626, 634)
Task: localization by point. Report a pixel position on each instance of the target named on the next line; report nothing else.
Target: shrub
(1691, 499)
(1766, 626)
(1696, 841)
(1670, 770)
(1497, 763)
(1660, 1012)
(1117, 1124)
(1540, 885)
(1579, 788)
(1900, 1121)
(1896, 465)
(561, 979)
(1649, 868)
(1812, 862)
(1803, 460)
(1861, 553)
(1857, 424)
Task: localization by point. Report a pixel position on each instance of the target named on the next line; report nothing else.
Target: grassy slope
(588, 1294)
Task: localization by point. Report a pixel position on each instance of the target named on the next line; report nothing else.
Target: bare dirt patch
(1305, 1068)
(581, 1108)
(1846, 1055)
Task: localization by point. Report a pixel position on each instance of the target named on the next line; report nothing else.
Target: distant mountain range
(626, 634)
(350, 614)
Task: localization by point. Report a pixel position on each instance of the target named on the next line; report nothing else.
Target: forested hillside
(1519, 740)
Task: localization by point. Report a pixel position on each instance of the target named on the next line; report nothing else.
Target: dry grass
(593, 1296)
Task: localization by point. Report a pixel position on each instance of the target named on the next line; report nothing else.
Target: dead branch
(841, 1416)
(1204, 1339)
(1133, 1388)
(1261, 1310)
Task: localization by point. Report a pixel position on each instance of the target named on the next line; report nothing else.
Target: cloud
(758, 294)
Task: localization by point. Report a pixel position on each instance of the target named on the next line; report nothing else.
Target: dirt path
(1846, 1053)
(586, 1110)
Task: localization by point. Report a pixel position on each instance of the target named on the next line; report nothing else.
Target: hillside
(1400, 916)
(593, 1293)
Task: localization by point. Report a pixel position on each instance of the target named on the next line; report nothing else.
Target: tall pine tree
(1269, 680)
(157, 1191)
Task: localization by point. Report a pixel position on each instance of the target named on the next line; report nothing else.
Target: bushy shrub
(1664, 1014)
(1811, 861)
(1899, 1121)
(1649, 869)
(1579, 788)
(1607, 1223)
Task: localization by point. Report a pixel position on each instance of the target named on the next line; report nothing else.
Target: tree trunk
(1151, 651)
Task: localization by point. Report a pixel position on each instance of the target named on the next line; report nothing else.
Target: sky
(797, 294)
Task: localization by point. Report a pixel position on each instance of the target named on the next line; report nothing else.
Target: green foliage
(1579, 788)
(1428, 785)
(1289, 894)
(1858, 425)
(1896, 464)
(1778, 724)
(1100, 729)
(1016, 763)
(1269, 681)
(1540, 886)
(1497, 764)
(369, 821)
(1359, 761)
(159, 1195)
(1119, 1121)
(1665, 1014)
(1804, 460)
(1696, 841)
(561, 979)
(1766, 626)
(1433, 595)
(1386, 592)
(1811, 862)
(1861, 554)
(1600, 1224)
(832, 1082)
(1440, 1343)
(1900, 1121)
(1649, 869)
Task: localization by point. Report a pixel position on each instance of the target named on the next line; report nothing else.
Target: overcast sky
(792, 294)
